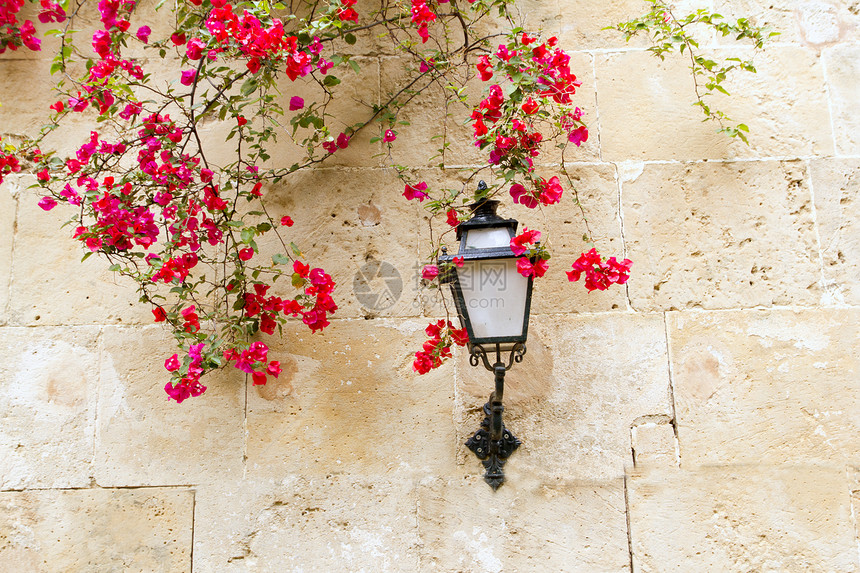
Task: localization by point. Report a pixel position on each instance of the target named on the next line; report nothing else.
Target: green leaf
(114, 268)
(355, 67)
(349, 39)
(331, 81)
(280, 259)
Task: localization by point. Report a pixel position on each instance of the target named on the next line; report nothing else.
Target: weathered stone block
(766, 387)
(582, 384)
(349, 402)
(843, 79)
(143, 438)
(837, 191)
(48, 399)
(465, 526)
(741, 518)
(51, 286)
(9, 192)
(357, 226)
(722, 235)
(814, 23)
(654, 443)
(302, 523)
(645, 110)
(148, 529)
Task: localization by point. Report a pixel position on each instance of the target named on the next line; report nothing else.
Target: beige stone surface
(48, 391)
(301, 523)
(837, 189)
(55, 287)
(8, 211)
(720, 235)
(766, 387)
(646, 111)
(577, 527)
(843, 71)
(584, 381)
(816, 23)
(350, 402)
(350, 223)
(83, 530)
(142, 437)
(741, 518)
(654, 442)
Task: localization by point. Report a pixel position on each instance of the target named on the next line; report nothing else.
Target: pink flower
(430, 272)
(578, 136)
(286, 221)
(389, 136)
(551, 191)
(143, 34)
(195, 47)
(188, 77)
(296, 103)
(274, 368)
(343, 141)
(172, 363)
(47, 203)
(523, 197)
(518, 243)
(416, 192)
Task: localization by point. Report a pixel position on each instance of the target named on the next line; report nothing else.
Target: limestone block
(423, 118)
(720, 235)
(766, 387)
(349, 402)
(583, 21)
(843, 80)
(48, 400)
(466, 527)
(143, 438)
(8, 211)
(811, 22)
(357, 226)
(25, 114)
(147, 529)
(654, 443)
(50, 285)
(645, 110)
(582, 384)
(302, 523)
(741, 518)
(837, 189)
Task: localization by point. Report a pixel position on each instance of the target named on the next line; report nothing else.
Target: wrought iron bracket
(493, 443)
(492, 453)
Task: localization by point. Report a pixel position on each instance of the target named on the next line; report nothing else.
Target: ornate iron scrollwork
(493, 443)
(493, 454)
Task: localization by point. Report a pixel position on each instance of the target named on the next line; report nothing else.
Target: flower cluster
(599, 274)
(8, 164)
(422, 17)
(318, 287)
(187, 377)
(254, 361)
(533, 264)
(14, 34)
(437, 348)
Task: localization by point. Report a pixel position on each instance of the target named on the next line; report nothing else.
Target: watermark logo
(377, 285)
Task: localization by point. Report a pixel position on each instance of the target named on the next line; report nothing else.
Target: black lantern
(493, 301)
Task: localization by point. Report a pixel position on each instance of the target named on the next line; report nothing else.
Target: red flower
(530, 106)
(523, 197)
(160, 315)
(453, 220)
(578, 136)
(430, 272)
(599, 275)
(416, 192)
(389, 136)
(286, 221)
(246, 254)
(518, 243)
(172, 363)
(241, 120)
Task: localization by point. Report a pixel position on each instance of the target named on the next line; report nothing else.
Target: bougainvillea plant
(144, 192)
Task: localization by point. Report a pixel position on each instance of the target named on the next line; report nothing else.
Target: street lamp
(493, 301)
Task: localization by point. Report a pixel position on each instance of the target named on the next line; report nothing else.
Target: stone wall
(707, 418)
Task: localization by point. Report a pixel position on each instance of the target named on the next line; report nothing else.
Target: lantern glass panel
(494, 295)
(492, 238)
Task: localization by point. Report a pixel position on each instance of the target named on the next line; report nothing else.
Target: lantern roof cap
(484, 216)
